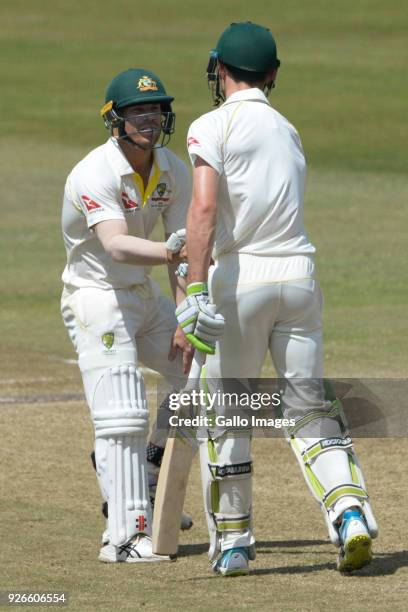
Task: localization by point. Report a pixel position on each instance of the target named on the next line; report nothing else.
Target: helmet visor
(147, 130)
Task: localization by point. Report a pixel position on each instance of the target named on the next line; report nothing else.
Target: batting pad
(333, 474)
(226, 469)
(120, 417)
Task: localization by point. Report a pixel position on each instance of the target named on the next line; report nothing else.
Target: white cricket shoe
(137, 550)
(105, 535)
(355, 551)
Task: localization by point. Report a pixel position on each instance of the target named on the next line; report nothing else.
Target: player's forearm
(201, 222)
(132, 250)
(177, 284)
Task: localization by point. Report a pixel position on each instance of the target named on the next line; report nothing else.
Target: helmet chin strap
(219, 92)
(213, 78)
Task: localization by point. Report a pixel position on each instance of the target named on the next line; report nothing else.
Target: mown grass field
(343, 84)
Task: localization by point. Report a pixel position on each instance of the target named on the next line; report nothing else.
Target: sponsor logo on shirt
(91, 205)
(192, 141)
(128, 204)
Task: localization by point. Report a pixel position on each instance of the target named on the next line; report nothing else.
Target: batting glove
(198, 320)
(176, 241)
(182, 270)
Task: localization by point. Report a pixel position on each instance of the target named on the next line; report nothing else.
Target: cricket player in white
(247, 212)
(114, 312)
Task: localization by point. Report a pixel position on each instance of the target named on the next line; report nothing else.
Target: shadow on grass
(288, 544)
(186, 550)
(273, 547)
(294, 569)
(383, 564)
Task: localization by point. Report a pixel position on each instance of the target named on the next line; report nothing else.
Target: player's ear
(222, 71)
(270, 80)
(272, 74)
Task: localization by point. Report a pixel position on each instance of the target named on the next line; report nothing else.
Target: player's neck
(140, 160)
(231, 86)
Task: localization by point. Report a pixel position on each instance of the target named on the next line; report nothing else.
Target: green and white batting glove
(198, 320)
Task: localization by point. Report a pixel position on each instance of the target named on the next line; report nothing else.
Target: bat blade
(173, 478)
(170, 495)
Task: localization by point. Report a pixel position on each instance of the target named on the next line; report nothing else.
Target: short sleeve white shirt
(104, 186)
(261, 165)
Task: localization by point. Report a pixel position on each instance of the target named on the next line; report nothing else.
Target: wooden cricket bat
(173, 478)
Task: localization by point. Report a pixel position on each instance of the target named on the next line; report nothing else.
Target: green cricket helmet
(245, 46)
(132, 87)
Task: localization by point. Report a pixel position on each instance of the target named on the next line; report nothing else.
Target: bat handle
(198, 362)
(195, 371)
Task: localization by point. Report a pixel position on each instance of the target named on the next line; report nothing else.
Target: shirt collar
(121, 164)
(161, 159)
(247, 94)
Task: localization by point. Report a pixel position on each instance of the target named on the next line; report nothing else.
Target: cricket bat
(173, 478)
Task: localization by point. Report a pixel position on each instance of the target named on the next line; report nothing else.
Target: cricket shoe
(232, 562)
(137, 550)
(355, 551)
(105, 535)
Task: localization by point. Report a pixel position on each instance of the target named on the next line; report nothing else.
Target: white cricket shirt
(260, 160)
(104, 186)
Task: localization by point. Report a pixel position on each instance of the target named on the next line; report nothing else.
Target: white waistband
(249, 268)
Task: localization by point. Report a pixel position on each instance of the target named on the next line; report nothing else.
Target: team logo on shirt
(147, 84)
(192, 141)
(161, 189)
(128, 204)
(160, 196)
(108, 340)
(91, 205)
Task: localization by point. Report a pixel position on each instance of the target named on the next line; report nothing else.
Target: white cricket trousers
(269, 303)
(140, 319)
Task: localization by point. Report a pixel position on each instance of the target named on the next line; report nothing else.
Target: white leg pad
(118, 405)
(334, 476)
(226, 469)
